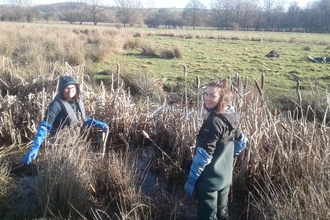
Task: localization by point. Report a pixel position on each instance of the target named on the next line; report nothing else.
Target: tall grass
(5, 180)
(63, 186)
(285, 167)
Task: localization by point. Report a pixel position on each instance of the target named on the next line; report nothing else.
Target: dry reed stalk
(262, 86)
(198, 83)
(299, 97)
(164, 153)
(118, 73)
(246, 83)
(324, 121)
(185, 100)
(238, 82)
(259, 88)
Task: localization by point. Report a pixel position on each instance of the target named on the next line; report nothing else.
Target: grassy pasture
(283, 173)
(206, 53)
(39, 48)
(208, 58)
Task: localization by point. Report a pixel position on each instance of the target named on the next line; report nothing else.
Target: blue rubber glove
(240, 144)
(200, 160)
(31, 154)
(39, 138)
(95, 123)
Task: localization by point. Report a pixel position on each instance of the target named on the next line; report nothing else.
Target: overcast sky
(157, 3)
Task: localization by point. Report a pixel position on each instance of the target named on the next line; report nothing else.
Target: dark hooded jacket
(216, 137)
(61, 113)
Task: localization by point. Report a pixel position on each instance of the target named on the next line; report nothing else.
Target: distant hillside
(59, 7)
(71, 6)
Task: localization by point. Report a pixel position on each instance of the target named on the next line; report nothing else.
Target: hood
(64, 82)
(232, 117)
(230, 110)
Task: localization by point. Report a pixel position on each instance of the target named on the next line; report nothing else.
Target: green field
(209, 58)
(205, 53)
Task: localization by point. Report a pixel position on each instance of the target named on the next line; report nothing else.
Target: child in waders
(66, 110)
(217, 142)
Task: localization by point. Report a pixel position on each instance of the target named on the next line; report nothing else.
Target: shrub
(175, 52)
(96, 53)
(178, 53)
(132, 44)
(307, 48)
(148, 50)
(75, 58)
(138, 34)
(167, 54)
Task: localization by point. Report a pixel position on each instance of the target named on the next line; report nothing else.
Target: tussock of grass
(132, 44)
(63, 187)
(149, 50)
(175, 52)
(118, 183)
(5, 181)
(307, 48)
(138, 34)
(167, 54)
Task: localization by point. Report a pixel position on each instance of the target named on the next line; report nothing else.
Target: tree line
(268, 15)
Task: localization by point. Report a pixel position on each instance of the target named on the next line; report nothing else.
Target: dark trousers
(212, 205)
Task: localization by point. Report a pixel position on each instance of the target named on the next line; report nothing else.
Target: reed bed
(284, 169)
(282, 174)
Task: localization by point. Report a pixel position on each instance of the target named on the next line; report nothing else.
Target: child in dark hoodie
(67, 109)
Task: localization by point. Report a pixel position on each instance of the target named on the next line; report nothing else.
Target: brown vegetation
(282, 174)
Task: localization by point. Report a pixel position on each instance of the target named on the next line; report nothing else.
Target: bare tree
(311, 17)
(272, 10)
(250, 10)
(23, 8)
(279, 17)
(17, 7)
(175, 19)
(69, 16)
(194, 12)
(31, 13)
(293, 15)
(128, 11)
(94, 9)
(150, 14)
(47, 14)
(325, 14)
(222, 12)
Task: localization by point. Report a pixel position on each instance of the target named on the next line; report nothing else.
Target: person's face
(69, 91)
(211, 97)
